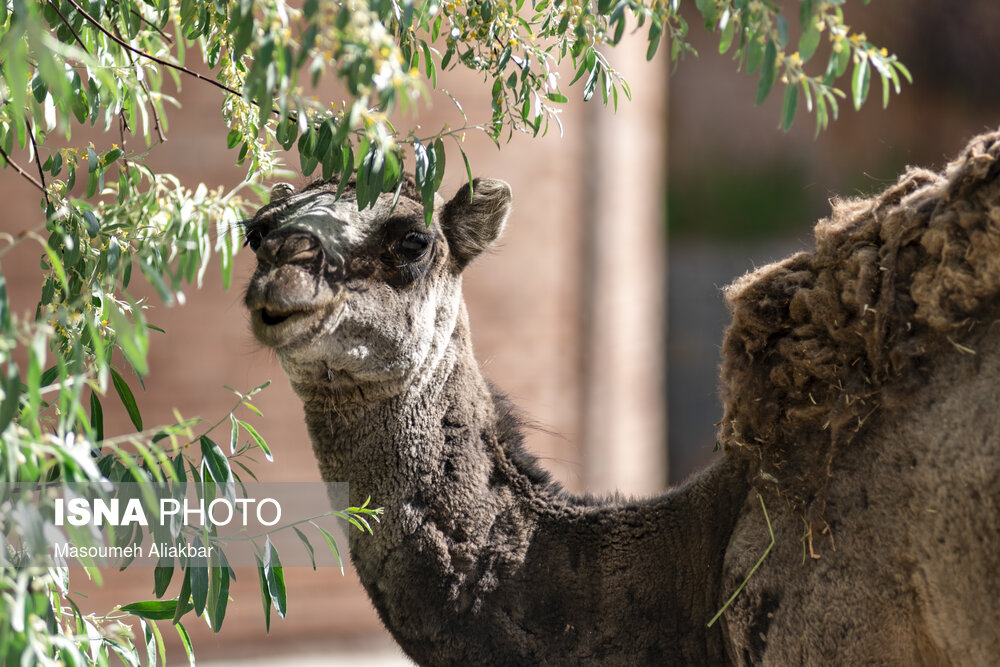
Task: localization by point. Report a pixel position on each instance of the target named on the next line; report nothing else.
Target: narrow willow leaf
(258, 439)
(186, 642)
(265, 597)
(332, 543)
(218, 598)
(274, 574)
(789, 106)
(217, 462)
(808, 42)
(128, 400)
(308, 546)
(726, 39)
(439, 163)
(154, 610)
(162, 574)
(655, 32)
(768, 71)
(12, 393)
(147, 636)
(860, 81)
(198, 567)
(96, 417)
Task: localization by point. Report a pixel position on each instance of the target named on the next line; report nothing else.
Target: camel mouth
(273, 318)
(280, 328)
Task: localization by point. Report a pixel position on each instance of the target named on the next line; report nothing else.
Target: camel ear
(471, 222)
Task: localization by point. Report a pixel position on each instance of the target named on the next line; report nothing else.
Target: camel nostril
(295, 248)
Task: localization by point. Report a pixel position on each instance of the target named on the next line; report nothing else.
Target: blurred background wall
(569, 312)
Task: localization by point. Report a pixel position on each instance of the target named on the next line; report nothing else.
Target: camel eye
(415, 244)
(254, 238)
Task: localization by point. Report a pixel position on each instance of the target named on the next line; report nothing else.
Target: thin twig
(761, 560)
(152, 25)
(31, 179)
(156, 114)
(125, 45)
(149, 96)
(69, 25)
(38, 161)
(122, 127)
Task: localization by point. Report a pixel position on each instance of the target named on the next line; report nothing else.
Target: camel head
(364, 299)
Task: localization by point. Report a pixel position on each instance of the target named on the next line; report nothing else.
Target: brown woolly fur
(824, 342)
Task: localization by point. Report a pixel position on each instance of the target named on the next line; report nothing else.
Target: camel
(860, 442)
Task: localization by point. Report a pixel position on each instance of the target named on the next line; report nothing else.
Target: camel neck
(474, 537)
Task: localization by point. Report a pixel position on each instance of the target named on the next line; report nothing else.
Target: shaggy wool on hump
(824, 341)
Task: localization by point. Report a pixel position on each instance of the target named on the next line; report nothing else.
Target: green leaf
(806, 14)
(179, 467)
(162, 574)
(184, 597)
(308, 546)
(782, 31)
(755, 55)
(768, 71)
(655, 32)
(186, 643)
(96, 419)
(789, 106)
(198, 567)
(274, 575)
(265, 597)
(591, 84)
(93, 224)
(808, 42)
(217, 462)
(843, 60)
(128, 400)
(332, 544)
(707, 9)
(726, 39)
(468, 168)
(559, 98)
(439, 162)
(38, 87)
(154, 610)
(12, 393)
(218, 596)
(258, 439)
(860, 81)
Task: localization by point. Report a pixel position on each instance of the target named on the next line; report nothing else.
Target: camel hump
(826, 341)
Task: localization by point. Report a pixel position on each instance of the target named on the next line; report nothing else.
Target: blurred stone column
(623, 282)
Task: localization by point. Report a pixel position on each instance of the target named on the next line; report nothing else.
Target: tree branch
(149, 96)
(125, 45)
(31, 179)
(38, 162)
(69, 25)
(150, 24)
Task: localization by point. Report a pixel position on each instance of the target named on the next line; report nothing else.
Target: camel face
(364, 297)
